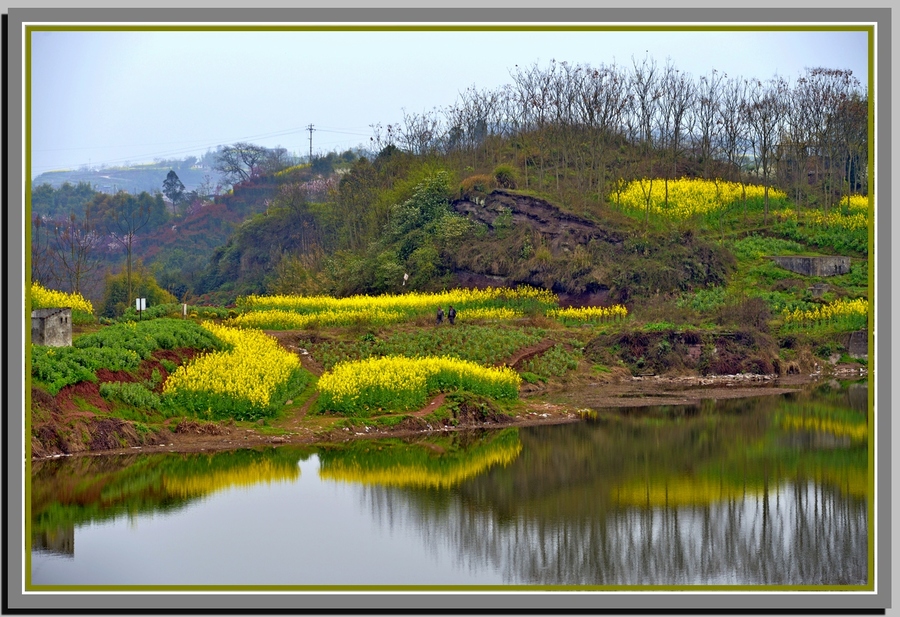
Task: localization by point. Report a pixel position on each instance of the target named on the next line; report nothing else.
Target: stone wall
(52, 327)
(815, 266)
(858, 344)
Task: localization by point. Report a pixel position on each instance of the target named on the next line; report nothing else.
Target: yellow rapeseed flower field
(857, 203)
(855, 217)
(501, 312)
(282, 319)
(397, 383)
(590, 313)
(251, 371)
(835, 310)
(49, 298)
(687, 197)
(415, 302)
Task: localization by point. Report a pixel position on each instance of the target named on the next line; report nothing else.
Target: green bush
(143, 285)
(481, 183)
(133, 394)
(172, 309)
(145, 337)
(58, 367)
(703, 300)
(505, 176)
(555, 362)
(754, 247)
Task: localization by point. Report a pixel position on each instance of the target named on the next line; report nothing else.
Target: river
(763, 491)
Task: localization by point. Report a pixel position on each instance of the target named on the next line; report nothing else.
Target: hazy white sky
(116, 97)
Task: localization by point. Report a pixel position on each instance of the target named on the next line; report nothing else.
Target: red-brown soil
(73, 422)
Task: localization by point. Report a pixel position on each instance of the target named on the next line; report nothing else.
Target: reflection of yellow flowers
(835, 310)
(197, 485)
(856, 431)
(421, 474)
(849, 480)
(679, 492)
(49, 298)
(686, 196)
(252, 370)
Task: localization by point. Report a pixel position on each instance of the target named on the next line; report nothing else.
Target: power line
(198, 145)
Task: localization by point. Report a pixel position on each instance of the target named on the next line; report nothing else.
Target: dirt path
(527, 353)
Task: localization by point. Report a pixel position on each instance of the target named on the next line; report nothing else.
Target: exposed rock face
(524, 239)
(559, 228)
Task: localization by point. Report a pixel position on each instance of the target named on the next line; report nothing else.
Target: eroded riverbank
(545, 406)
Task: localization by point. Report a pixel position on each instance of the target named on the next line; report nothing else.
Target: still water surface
(764, 491)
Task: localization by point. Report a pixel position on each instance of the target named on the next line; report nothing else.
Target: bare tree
(128, 216)
(765, 110)
(603, 101)
(421, 133)
(852, 124)
(74, 246)
(645, 92)
(240, 162)
(675, 100)
(706, 115)
(43, 268)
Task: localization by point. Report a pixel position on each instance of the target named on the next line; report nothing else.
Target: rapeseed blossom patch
(687, 197)
(500, 312)
(839, 309)
(409, 303)
(397, 383)
(589, 313)
(281, 319)
(247, 381)
(852, 214)
(50, 298)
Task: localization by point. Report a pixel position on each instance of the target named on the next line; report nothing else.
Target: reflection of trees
(70, 492)
(552, 517)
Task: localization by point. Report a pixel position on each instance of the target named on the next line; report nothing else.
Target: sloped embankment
(692, 351)
(522, 239)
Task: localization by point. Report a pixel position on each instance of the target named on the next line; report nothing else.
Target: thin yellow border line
(456, 27)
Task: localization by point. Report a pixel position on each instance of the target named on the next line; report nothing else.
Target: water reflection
(764, 491)
(70, 492)
(726, 499)
(439, 462)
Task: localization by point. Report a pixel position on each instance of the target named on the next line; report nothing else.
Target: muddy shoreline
(539, 407)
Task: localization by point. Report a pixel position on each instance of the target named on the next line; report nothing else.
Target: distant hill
(133, 179)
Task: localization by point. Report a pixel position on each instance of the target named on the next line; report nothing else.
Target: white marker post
(140, 304)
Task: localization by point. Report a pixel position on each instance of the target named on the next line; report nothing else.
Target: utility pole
(310, 129)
